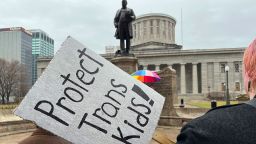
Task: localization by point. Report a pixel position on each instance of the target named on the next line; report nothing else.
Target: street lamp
(209, 91)
(227, 90)
(224, 85)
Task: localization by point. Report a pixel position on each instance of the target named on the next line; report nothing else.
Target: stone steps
(7, 115)
(13, 127)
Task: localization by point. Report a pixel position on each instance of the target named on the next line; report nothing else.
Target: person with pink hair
(230, 124)
(249, 69)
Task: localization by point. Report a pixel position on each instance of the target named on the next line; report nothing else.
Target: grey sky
(206, 23)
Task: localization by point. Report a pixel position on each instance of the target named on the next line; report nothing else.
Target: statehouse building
(199, 71)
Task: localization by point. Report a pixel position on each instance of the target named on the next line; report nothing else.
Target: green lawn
(207, 104)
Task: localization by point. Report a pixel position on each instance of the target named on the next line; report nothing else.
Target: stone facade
(167, 88)
(199, 71)
(154, 28)
(42, 63)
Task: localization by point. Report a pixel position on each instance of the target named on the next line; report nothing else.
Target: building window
(145, 28)
(236, 67)
(223, 87)
(162, 66)
(158, 27)
(138, 29)
(237, 86)
(151, 67)
(140, 67)
(222, 67)
(164, 28)
(134, 27)
(37, 35)
(151, 26)
(170, 31)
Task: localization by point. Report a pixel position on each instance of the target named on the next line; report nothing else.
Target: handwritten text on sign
(86, 99)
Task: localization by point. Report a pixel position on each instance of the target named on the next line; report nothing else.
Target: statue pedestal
(128, 63)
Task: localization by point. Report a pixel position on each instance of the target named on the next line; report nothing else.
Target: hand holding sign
(85, 99)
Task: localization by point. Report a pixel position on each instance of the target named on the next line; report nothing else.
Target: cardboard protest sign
(84, 98)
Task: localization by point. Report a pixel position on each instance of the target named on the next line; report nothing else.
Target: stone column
(182, 79)
(137, 36)
(204, 77)
(173, 33)
(148, 30)
(141, 32)
(166, 32)
(154, 28)
(195, 79)
(231, 82)
(241, 77)
(160, 30)
(157, 67)
(216, 76)
(145, 29)
(170, 66)
(170, 30)
(145, 67)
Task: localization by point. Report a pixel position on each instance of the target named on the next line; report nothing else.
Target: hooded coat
(232, 124)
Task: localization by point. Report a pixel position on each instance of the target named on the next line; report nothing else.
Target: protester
(232, 124)
(41, 136)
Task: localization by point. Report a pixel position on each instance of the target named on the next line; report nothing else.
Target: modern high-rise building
(42, 46)
(16, 44)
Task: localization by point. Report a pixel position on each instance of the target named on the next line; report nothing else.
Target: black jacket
(234, 124)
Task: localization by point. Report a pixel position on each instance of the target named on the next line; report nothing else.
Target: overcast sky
(206, 23)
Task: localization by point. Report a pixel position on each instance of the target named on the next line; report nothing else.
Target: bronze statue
(123, 23)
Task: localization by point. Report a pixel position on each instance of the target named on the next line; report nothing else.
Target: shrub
(8, 106)
(216, 96)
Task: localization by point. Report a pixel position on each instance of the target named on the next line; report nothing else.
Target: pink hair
(249, 67)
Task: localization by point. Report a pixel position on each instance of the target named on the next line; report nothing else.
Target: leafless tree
(3, 68)
(22, 87)
(11, 78)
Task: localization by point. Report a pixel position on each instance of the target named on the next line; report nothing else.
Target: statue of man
(123, 23)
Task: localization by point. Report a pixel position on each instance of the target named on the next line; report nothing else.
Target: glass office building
(42, 46)
(16, 44)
